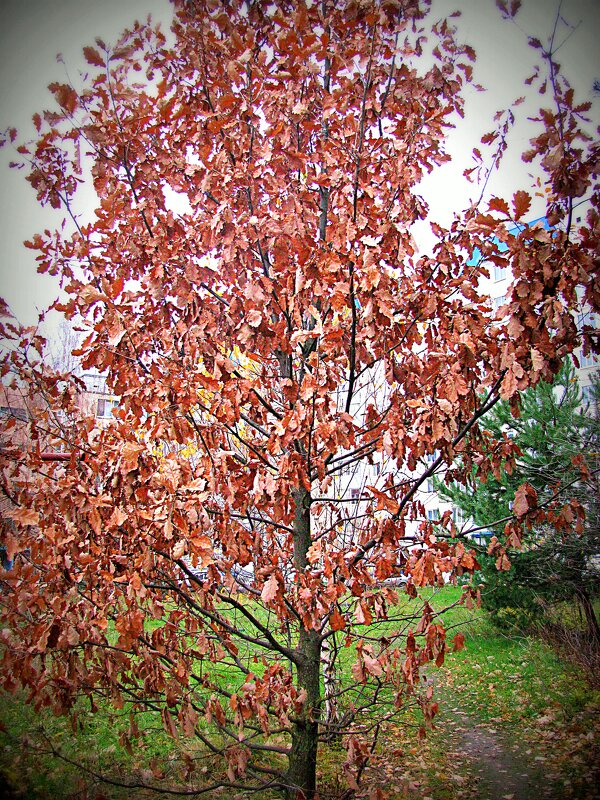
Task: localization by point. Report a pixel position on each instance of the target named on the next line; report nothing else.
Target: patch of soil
(500, 772)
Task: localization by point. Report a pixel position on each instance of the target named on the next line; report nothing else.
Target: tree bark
(331, 686)
(593, 629)
(302, 766)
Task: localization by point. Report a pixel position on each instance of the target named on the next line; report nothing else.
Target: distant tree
(281, 328)
(63, 340)
(556, 441)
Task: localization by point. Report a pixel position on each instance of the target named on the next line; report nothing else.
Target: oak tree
(250, 286)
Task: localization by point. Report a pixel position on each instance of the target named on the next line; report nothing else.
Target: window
(11, 411)
(355, 494)
(499, 273)
(587, 396)
(429, 487)
(588, 361)
(498, 301)
(433, 514)
(95, 382)
(586, 318)
(458, 516)
(105, 407)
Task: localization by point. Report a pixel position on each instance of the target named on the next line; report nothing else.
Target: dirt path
(476, 762)
(499, 770)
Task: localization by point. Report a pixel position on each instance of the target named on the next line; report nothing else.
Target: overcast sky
(32, 32)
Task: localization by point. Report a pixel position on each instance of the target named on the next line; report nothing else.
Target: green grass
(26, 760)
(515, 685)
(515, 677)
(510, 682)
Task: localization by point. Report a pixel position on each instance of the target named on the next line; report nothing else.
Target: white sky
(32, 32)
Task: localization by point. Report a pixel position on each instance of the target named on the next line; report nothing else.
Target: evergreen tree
(556, 439)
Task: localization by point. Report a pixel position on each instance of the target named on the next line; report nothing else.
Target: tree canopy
(276, 332)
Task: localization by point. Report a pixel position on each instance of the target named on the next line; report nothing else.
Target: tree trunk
(331, 686)
(593, 629)
(302, 766)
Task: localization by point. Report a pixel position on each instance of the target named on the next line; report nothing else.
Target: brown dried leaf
(521, 203)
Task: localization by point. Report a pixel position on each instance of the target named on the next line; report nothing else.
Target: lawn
(516, 687)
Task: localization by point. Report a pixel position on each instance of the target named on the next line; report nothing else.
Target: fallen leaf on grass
(547, 718)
